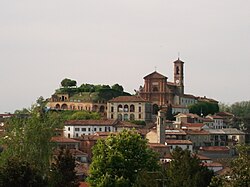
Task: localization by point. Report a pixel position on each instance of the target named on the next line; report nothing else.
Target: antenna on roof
(155, 68)
(178, 55)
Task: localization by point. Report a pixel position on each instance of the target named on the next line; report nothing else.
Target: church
(163, 93)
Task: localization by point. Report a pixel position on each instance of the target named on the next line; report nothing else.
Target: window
(100, 129)
(68, 135)
(77, 129)
(139, 116)
(112, 109)
(89, 129)
(125, 117)
(112, 116)
(76, 134)
(139, 109)
(83, 129)
(187, 146)
(68, 128)
(94, 129)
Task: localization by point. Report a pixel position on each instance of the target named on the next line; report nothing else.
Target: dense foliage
(27, 153)
(239, 174)
(68, 83)
(62, 171)
(187, 170)
(120, 159)
(204, 108)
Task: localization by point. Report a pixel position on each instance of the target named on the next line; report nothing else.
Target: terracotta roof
(90, 122)
(207, 120)
(6, 115)
(61, 139)
(213, 164)
(178, 142)
(202, 157)
(84, 184)
(132, 98)
(215, 117)
(197, 132)
(158, 145)
(127, 124)
(214, 148)
(105, 133)
(74, 152)
(155, 75)
(193, 125)
(224, 114)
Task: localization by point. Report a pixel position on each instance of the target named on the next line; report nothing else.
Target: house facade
(126, 108)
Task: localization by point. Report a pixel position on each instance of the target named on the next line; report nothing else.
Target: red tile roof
(178, 142)
(158, 145)
(61, 139)
(213, 164)
(84, 184)
(90, 122)
(214, 148)
(193, 125)
(197, 132)
(126, 99)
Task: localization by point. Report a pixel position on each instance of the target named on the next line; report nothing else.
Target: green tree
(83, 115)
(239, 175)
(120, 159)
(187, 170)
(204, 108)
(20, 173)
(68, 83)
(117, 87)
(63, 170)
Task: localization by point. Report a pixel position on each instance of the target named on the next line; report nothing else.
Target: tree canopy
(204, 108)
(68, 83)
(120, 159)
(187, 170)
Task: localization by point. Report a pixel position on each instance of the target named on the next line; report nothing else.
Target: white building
(184, 144)
(217, 122)
(77, 128)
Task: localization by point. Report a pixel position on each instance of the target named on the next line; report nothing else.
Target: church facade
(163, 93)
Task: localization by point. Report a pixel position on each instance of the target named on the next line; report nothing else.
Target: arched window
(126, 117)
(57, 106)
(139, 108)
(132, 108)
(119, 108)
(177, 70)
(125, 108)
(119, 117)
(102, 108)
(64, 107)
(112, 109)
(155, 89)
(95, 108)
(132, 117)
(112, 116)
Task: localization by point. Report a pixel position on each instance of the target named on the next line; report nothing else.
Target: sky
(121, 41)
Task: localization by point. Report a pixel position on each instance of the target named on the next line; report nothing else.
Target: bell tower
(179, 75)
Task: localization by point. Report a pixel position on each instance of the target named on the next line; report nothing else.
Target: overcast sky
(121, 41)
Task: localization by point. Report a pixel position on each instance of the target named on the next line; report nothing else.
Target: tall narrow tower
(179, 75)
(161, 136)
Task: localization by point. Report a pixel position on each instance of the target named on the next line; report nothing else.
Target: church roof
(178, 61)
(131, 98)
(155, 75)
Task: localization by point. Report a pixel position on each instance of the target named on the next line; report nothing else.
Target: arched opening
(155, 89)
(120, 117)
(119, 108)
(155, 109)
(125, 108)
(126, 117)
(132, 117)
(112, 109)
(102, 109)
(64, 107)
(57, 106)
(95, 108)
(177, 70)
(132, 108)
(72, 107)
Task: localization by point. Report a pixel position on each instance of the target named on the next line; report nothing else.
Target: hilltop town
(160, 111)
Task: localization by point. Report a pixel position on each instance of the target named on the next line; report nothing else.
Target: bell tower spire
(179, 75)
